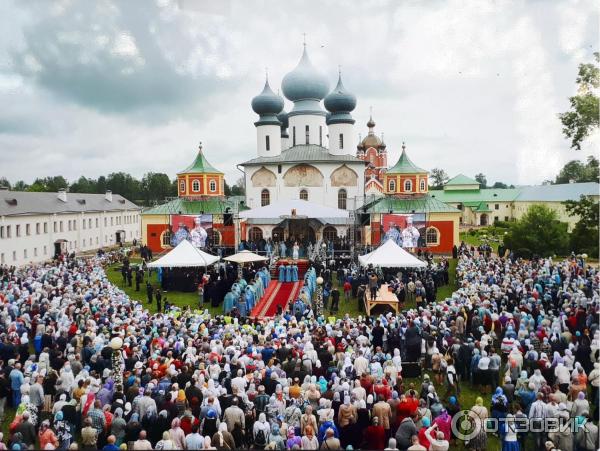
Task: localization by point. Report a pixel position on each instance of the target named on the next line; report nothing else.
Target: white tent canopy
(390, 255)
(184, 255)
(245, 257)
(303, 208)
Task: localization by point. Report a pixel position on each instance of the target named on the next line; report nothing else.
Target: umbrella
(245, 257)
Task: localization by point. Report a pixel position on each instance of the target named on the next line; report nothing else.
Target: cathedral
(307, 153)
(309, 180)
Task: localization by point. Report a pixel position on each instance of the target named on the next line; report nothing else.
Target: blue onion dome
(267, 102)
(340, 100)
(283, 118)
(305, 82)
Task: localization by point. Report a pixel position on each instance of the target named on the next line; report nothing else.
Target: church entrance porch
(300, 230)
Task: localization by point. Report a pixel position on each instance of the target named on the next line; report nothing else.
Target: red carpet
(270, 292)
(278, 294)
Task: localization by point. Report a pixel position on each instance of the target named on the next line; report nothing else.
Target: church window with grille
(265, 197)
(432, 236)
(342, 198)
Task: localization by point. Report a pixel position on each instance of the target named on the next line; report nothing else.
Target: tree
(585, 235)
(4, 182)
(155, 187)
(238, 188)
(84, 185)
(125, 185)
(500, 185)
(583, 117)
(20, 186)
(579, 172)
(482, 180)
(101, 185)
(49, 184)
(538, 232)
(438, 178)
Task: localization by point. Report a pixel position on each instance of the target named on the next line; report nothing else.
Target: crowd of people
(523, 333)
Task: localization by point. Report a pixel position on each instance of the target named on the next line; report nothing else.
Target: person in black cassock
(149, 292)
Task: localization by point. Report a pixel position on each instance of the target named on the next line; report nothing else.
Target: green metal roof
(200, 166)
(481, 195)
(305, 153)
(193, 207)
(461, 179)
(558, 193)
(405, 166)
(425, 204)
(482, 207)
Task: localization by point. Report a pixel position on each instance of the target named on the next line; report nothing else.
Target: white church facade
(309, 152)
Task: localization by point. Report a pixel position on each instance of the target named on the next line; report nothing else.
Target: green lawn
(491, 235)
(181, 299)
(177, 298)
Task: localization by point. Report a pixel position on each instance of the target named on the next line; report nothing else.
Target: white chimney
(108, 195)
(62, 194)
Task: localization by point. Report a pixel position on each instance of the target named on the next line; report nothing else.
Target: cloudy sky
(93, 87)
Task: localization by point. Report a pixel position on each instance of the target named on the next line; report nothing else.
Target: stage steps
(302, 264)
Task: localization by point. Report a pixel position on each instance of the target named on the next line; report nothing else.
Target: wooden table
(384, 297)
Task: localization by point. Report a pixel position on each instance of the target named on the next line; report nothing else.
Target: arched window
(195, 186)
(212, 186)
(265, 197)
(329, 233)
(303, 194)
(408, 185)
(422, 185)
(392, 186)
(432, 236)
(165, 238)
(255, 234)
(214, 237)
(182, 186)
(342, 197)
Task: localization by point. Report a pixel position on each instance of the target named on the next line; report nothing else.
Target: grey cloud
(114, 61)
(93, 103)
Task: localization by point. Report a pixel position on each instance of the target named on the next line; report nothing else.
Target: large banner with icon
(192, 228)
(407, 230)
